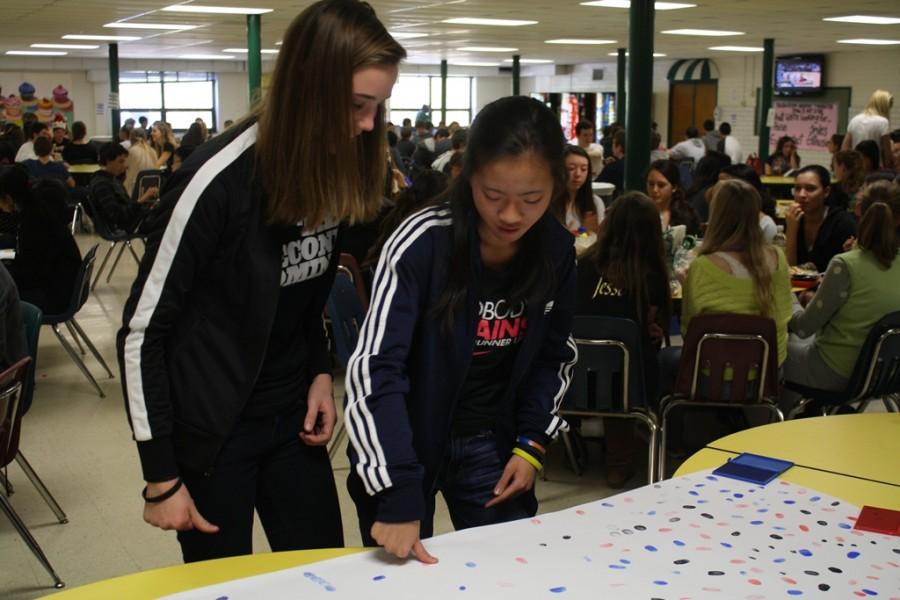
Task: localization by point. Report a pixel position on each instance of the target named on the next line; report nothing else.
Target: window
(177, 98)
(412, 91)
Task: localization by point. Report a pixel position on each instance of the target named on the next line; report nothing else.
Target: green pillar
(114, 91)
(516, 75)
(765, 97)
(444, 92)
(621, 65)
(254, 56)
(640, 91)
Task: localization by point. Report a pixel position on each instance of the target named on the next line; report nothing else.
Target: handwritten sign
(810, 124)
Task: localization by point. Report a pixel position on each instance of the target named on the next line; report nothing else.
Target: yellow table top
(84, 168)
(180, 578)
(776, 180)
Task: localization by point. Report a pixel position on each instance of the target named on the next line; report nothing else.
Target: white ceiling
(796, 25)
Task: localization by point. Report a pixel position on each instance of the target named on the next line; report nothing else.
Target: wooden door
(690, 103)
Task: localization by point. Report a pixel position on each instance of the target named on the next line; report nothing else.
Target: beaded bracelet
(165, 495)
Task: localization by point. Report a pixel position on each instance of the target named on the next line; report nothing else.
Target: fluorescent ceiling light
(216, 10)
(494, 22)
(487, 49)
(531, 61)
(245, 51)
(627, 4)
(157, 26)
(35, 53)
(870, 42)
(405, 35)
(736, 48)
(101, 38)
(865, 19)
(206, 57)
(703, 32)
(655, 54)
(579, 41)
(67, 46)
(474, 64)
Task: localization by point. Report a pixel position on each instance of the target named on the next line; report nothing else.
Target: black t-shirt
(284, 379)
(76, 154)
(500, 329)
(596, 296)
(834, 231)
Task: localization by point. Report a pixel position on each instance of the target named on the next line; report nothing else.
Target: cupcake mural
(61, 102)
(26, 94)
(45, 110)
(13, 109)
(60, 106)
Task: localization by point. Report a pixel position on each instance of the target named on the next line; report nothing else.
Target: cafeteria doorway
(690, 103)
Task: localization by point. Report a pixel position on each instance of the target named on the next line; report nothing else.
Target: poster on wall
(810, 124)
(55, 105)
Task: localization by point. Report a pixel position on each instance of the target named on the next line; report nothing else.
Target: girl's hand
(177, 512)
(320, 413)
(518, 477)
(792, 216)
(400, 539)
(848, 244)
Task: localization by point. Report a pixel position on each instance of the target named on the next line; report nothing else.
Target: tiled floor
(81, 446)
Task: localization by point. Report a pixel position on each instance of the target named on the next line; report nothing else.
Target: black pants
(265, 465)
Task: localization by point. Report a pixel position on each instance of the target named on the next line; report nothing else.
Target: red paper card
(879, 520)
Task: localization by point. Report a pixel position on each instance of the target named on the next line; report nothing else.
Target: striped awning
(693, 69)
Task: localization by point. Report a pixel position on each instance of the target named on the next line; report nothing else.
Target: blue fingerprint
(330, 588)
(624, 561)
(711, 478)
(558, 590)
(588, 559)
(661, 582)
(738, 495)
(726, 544)
(651, 513)
(616, 566)
(694, 493)
(471, 565)
(607, 504)
(815, 498)
(379, 578)
(650, 548)
(844, 526)
(778, 560)
(869, 592)
(756, 522)
(462, 588)
(678, 542)
(791, 502)
(852, 554)
(805, 552)
(763, 510)
(795, 593)
(702, 501)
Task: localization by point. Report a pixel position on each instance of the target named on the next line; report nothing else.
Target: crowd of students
(466, 353)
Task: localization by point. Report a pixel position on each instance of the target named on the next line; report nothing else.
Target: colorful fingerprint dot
(558, 590)
(678, 542)
(852, 554)
(462, 588)
(650, 548)
(471, 565)
(805, 552)
(379, 578)
(522, 560)
(795, 592)
(661, 582)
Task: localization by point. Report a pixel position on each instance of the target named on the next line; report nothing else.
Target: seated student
(848, 169)
(109, 196)
(785, 157)
(141, 157)
(706, 175)
(736, 271)
(32, 132)
(614, 168)
(871, 156)
(624, 275)
(815, 230)
(692, 148)
(767, 212)
(47, 258)
(466, 353)
(458, 141)
(13, 344)
(834, 146)
(79, 151)
(583, 208)
(44, 167)
(859, 288)
(60, 140)
(585, 139)
(664, 188)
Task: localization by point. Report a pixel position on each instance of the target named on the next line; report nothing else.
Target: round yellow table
(84, 169)
(180, 578)
(852, 457)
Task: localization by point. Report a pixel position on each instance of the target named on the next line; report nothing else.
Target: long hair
(707, 172)
(584, 197)
(877, 233)
(311, 165)
(746, 173)
(680, 211)
(852, 161)
(630, 251)
(167, 136)
(869, 149)
(734, 227)
(779, 146)
(506, 128)
(879, 104)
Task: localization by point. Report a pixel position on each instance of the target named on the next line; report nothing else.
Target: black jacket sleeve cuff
(158, 459)
(401, 503)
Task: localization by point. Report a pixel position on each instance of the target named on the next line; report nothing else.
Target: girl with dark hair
(194, 136)
(79, 151)
(705, 176)
(815, 229)
(583, 208)
(47, 258)
(848, 169)
(224, 357)
(859, 288)
(871, 156)
(664, 188)
(785, 157)
(624, 274)
(767, 208)
(465, 355)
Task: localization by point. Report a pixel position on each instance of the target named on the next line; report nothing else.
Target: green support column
(444, 92)
(254, 56)
(516, 75)
(640, 91)
(114, 91)
(765, 97)
(621, 72)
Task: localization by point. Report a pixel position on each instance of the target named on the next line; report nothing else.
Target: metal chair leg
(112, 269)
(133, 253)
(75, 337)
(5, 486)
(78, 361)
(29, 540)
(661, 462)
(75, 214)
(41, 488)
(91, 346)
(103, 264)
(652, 450)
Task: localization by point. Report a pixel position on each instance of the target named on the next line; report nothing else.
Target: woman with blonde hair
(736, 271)
(873, 123)
(163, 142)
(224, 357)
(141, 157)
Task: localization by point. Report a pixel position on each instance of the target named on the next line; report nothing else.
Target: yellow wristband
(531, 460)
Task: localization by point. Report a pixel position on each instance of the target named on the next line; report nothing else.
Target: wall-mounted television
(796, 75)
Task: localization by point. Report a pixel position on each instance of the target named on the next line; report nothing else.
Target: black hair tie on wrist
(165, 495)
